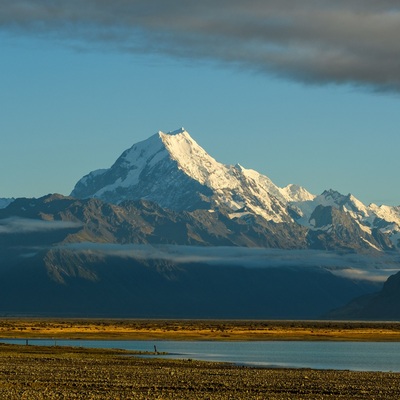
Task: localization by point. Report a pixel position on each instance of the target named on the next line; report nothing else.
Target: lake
(356, 356)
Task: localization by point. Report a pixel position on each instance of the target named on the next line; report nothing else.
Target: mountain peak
(172, 170)
(176, 132)
(333, 194)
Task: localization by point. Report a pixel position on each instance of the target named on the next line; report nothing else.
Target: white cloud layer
(350, 266)
(321, 42)
(25, 225)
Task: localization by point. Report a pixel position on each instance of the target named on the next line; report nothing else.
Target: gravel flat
(32, 372)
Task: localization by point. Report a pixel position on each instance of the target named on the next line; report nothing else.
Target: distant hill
(382, 305)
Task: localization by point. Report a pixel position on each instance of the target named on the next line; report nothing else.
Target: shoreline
(76, 373)
(207, 330)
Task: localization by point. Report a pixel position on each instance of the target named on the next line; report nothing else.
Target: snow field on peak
(388, 213)
(146, 153)
(195, 161)
(287, 194)
(293, 193)
(165, 161)
(361, 207)
(90, 175)
(234, 186)
(198, 164)
(350, 204)
(367, 217)
(176, 132)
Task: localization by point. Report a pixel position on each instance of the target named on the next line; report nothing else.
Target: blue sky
(81, 82)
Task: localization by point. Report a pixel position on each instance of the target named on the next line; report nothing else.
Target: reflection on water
(358, 356)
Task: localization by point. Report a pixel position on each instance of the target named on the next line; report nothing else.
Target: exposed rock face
(146, 222)
(98, 251)
(65, 256)
(176, 173)
(172, 170)
(336, 229)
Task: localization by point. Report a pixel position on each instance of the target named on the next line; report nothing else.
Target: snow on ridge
(371, 244)
(358, 204)
(91, 175)
(141, 152)
(233, 186)
(176, 132)
(387, 213)
(367, 217)
(261, 180)
(293, 193)
(195, 161)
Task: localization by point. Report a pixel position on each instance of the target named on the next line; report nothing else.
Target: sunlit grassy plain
(109, 329)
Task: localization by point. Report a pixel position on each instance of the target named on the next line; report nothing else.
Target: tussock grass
(125, 329)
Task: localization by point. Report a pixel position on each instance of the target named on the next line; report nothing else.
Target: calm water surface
(357, 356)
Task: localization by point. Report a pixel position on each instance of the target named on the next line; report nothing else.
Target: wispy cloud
(26, 225)
(369, 274)
(350, 266)
(343, 41)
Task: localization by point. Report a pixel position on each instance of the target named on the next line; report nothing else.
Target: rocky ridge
(126, 242)
(172, 170)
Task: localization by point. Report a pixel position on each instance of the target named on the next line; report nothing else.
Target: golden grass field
(58, 372)
(125, 329)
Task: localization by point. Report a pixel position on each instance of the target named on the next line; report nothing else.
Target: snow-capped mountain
(172, 170)
(386, 219)
(169, 227)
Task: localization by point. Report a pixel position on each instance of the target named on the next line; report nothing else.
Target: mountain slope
(378, 226)
(62, 256)
(168, 231)
(70, 220)
(63, 282)
(172, 170)
(382, 305)
(176, 173)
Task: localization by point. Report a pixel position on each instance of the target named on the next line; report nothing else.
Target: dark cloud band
(354, 41)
